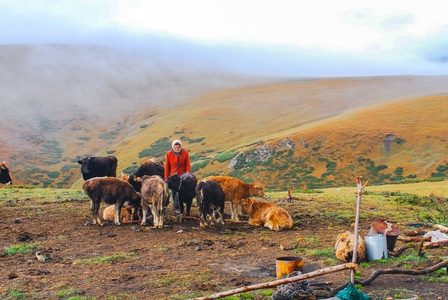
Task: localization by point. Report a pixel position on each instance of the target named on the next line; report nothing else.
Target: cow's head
(173, 182)
(4, 174)
(258, 189)
(86, 166)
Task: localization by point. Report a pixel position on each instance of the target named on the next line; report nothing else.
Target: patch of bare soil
(177, 262)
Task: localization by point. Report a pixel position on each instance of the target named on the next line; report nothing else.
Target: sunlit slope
(327, 124)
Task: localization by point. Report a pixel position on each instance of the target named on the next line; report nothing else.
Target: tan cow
(236, 190)
(268, 214)
(125, 214)
(155, 194)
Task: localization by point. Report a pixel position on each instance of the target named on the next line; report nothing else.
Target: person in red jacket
(177, 161)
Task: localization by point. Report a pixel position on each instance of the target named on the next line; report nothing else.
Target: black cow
(149, 167)
(183, 187)
(98, 166)
(4, 174)
(210, 197)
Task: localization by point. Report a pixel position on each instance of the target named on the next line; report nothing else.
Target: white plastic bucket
(376, 246)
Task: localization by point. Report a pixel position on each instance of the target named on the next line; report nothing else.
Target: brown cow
(111, 190)
(155, 194)
(236, 190)
(268, 214)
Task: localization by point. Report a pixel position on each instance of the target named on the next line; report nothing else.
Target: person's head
(176, 145)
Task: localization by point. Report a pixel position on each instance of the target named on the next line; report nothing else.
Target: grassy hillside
(286, 146)
(62, 103)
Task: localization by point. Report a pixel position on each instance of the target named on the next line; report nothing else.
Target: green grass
(21, 248)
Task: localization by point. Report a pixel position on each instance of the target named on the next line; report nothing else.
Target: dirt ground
(177, 262)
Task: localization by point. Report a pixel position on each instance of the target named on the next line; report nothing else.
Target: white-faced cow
(98, 166)
(149, 167)
(183, 187)
(210, 197)
(4, 174)
(111, 191)
(155, 194)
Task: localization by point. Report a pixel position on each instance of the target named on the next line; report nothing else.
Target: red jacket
(176, 164)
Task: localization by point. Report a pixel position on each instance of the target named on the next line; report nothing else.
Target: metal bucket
(287, 264)
(376, 246)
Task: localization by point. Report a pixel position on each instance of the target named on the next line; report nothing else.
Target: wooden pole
(281, 281)
(358, 207)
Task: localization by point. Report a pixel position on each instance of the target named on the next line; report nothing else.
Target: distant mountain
(60, 103)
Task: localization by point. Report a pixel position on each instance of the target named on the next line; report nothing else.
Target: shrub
(224, 156)
(198, 165)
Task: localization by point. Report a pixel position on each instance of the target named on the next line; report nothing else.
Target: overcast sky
(281, 37)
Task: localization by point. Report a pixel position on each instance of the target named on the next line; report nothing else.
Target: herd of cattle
(135, 194)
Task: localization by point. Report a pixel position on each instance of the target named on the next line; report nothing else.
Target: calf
(127, 214)
(183, 187)
(268, 214)
(4, 174)
(149, 167)
(112, 191)
(236, 190)
(210, 197)
(155, 194)
(92, 167)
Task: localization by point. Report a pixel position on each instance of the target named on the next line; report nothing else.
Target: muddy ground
(180, 261)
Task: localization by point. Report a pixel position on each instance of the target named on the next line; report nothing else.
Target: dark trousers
(176, 205)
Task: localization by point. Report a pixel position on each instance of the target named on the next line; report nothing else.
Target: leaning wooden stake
(358, 206)
(282, 281)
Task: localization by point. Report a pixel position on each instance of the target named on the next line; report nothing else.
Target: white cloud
(387, 31)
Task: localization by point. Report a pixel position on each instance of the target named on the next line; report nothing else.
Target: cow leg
(117, 213)
(94, 208)
(145, 213)
(202, 222)
(132, 215)
(160, 212)
(221, 217)
(234, 211)
(188, 207)
(155, 216)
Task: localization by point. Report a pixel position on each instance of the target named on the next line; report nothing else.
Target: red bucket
(389, 229)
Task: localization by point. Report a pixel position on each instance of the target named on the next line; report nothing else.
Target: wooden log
(281, 281)
(403, 271)
(397, 252)
(441, 228)
(438, 244)
(415, 232)
(413, 239)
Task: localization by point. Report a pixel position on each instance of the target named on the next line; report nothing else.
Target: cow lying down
(268, 214)
(127, 214)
